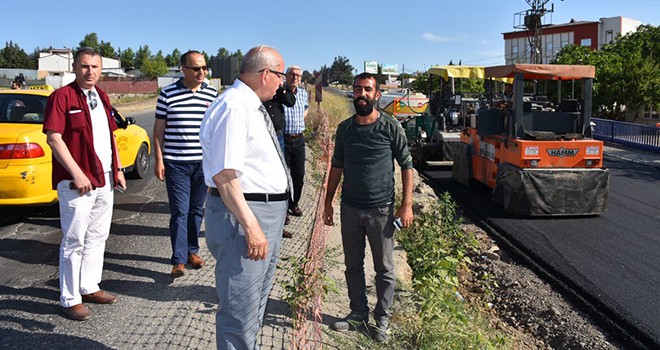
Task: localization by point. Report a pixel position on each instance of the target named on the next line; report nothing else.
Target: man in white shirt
(245, 209)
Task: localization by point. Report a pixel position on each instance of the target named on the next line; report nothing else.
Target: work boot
(352, 321)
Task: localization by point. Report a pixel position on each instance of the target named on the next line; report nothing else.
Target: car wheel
(141, 165)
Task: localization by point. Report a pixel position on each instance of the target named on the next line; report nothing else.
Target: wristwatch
(123, 170)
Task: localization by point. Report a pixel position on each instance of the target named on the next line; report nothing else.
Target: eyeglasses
(295, 75)
(279, 74)
(197, 69)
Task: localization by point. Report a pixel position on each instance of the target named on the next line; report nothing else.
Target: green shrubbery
(437, 317)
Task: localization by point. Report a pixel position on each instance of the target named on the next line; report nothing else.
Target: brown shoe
(287, 234)
(99, 297)
(178, 270)
(286, 221)
(196, 261)
(77, 312)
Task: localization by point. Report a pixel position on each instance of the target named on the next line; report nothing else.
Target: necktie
(273, 137)
(92, 99)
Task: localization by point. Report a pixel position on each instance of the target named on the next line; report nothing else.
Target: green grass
(436, 316)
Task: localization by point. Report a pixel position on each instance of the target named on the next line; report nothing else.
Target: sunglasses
(197, 69)
(279, 74)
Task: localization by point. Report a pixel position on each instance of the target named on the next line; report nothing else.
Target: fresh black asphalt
(612, 260)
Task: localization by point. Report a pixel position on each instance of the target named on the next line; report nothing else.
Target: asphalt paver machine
(537, 162)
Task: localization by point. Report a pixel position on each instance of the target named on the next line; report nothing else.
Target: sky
(413, 34)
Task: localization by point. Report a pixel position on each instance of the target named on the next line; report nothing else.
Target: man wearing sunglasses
(247, 201)
(178, 154)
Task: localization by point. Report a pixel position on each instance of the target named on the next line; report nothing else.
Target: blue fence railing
(634, 135)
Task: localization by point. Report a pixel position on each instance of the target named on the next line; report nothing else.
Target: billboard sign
(371, 67)
(390, 69)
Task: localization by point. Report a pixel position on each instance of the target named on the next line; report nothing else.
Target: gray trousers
(376, 225)
(243, 285)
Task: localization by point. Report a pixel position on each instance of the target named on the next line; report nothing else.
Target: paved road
(612, 260)
(154, 311)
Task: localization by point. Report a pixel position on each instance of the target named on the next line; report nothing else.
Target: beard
(365, 109)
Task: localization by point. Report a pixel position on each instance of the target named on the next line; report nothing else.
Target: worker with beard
(366, 145)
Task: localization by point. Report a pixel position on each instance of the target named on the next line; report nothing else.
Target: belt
(257, 197)
(292, 136)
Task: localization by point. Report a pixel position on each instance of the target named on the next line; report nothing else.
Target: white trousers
(85, 223)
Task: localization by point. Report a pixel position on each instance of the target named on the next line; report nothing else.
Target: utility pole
(532, 21)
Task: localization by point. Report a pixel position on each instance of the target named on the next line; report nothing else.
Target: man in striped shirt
(294, 141)
(179, 114)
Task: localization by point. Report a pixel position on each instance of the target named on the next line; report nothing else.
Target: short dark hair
(85, 50)
(366, 75)
(184, 57)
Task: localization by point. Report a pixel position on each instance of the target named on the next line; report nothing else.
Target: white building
(60, 61)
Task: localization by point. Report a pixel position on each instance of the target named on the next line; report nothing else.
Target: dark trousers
(294, 153)
(374, 225)
(186, 192)
(280, 138)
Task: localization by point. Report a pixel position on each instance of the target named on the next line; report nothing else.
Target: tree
(206, 57)
(341, 71)
(307, 77)
(155, 67)
(222, 53)
(627, 72)
(238, 54)
(127, 58)
(141, 56)
(90, 40)
(13, 56)
(106, 50)
(174, 59)
(421, 83)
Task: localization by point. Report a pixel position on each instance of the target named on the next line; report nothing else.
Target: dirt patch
(135, 106)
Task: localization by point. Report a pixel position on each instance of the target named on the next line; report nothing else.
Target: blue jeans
(242, 285)
(186, 192)
(376, 225)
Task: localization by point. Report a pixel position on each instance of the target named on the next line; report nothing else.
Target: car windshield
(22, 108)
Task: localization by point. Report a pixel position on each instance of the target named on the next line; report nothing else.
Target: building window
(585, 42)
(609, 36)
(548, 48)
(514, 51)
(564, 43)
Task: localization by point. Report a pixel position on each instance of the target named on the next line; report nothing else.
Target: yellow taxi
(25, 158)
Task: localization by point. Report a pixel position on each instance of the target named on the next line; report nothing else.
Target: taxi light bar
(20, 151)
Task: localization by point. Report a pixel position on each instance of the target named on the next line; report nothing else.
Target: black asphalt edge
(620, 329)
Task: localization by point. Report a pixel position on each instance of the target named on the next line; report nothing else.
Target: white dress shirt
(233, 135)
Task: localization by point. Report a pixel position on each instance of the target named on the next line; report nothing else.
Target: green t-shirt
(366, 153)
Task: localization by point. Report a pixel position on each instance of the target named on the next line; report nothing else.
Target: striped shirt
(294, 117)
(183, 111)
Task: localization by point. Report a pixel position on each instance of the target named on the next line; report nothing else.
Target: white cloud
(434, 37)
